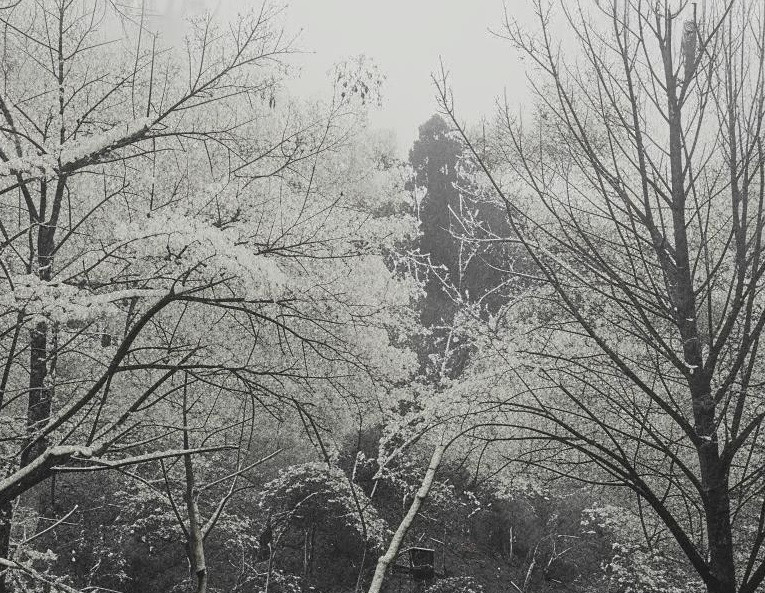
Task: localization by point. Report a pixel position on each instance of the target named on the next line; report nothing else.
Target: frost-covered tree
(167, 211)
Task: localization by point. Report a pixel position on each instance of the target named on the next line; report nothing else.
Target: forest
(248, 347)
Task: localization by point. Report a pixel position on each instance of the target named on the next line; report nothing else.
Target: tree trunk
(308, 540)
(40, 390)
(270, 570)
(714, 480)
(196, 542)
(6, 515)
(38, 409)
(390, 555)
(714, 475)
(722, 565)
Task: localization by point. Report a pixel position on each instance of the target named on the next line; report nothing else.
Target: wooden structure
(422, 563)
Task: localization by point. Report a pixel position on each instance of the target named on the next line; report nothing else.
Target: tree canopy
(247, 347)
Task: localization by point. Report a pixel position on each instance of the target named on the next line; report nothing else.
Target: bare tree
(641, 203)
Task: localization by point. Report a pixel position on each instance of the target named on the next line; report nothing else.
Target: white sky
(405, 38)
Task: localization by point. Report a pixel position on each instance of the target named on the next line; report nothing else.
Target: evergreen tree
(460, 229)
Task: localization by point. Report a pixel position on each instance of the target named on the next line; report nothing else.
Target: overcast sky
(405, 38)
